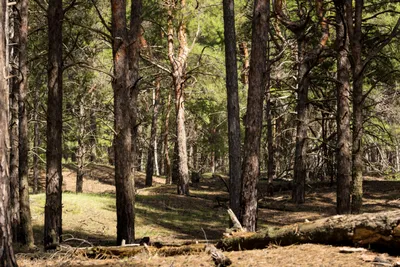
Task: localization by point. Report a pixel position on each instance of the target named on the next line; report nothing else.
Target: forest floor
(90, 219)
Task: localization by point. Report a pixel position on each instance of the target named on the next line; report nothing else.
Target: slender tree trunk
(253, 120)
(270, 143)
(26, 231)
(53, 207)
(246, 63)
(36, 141)
(80, 159)
(7, 257)
(343, 153)
(151, 158)
(235, 183)
(167, 161)
(358, 103)
(92, 134)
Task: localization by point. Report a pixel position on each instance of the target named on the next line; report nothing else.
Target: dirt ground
(162, 211)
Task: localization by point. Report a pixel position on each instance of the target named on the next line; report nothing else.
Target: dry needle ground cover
(90, 219)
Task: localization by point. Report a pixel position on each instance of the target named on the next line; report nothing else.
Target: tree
(179, 64)
(233, 106)
(26, 231)
(253, 120)
(7, 257)
(53, 208)
(126, 47)
(343, 153)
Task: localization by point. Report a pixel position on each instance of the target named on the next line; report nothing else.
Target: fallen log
(379, 230)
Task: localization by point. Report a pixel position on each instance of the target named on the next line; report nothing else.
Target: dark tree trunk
(7, 257)
(153, 134)
(80, 155)
(358, 77)
(53, 207)
(26, 231)
(235, 183)
(300, 157)
(343, 153)
(175, 165)
(253, 120)
(125, 85)
(270, 142)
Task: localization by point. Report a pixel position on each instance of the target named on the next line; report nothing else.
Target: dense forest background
(143, 86)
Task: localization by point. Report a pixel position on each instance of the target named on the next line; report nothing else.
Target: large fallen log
(379, 230)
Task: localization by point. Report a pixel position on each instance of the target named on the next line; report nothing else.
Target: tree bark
(235, 183)
(53, 207)
(151, 159)
(343, 153)
(80, 157)
(179, 63)
(368, 230)
(26, 231)
(253, 120)
(7, 257)
(167, 160)
(125, 84)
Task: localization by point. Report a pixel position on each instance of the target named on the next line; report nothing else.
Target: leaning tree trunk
(53, 207)
(26, 231)
(253, 120)
(235, 183)
(7, 257)
(343, 153)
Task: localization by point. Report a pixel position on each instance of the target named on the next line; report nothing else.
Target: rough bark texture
(7, 257)
(126, 47)
(179, 63)
(369, 230)
(151, 158)
(358, 73)
(235, 183)
(26, 231)
(343, 153)
(53, 207)
(253, 120)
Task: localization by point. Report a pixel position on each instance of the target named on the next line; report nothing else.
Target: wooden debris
(218, 257)
(351, 250)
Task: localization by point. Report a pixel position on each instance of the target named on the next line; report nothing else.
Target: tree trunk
(26, 231)
(125, 85)
(358, 103)
(178, 64)
(300, 157)
(235, 183)
(80, 159)
(253, 120)
(244, 51)
(151, 156)
(167, 161)
(380, 230)
(270, 142)
(7, 257)
(343, 154)
(53, 207)
(36, 140)
(92, 134)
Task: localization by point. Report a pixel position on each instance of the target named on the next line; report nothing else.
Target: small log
(370, 229)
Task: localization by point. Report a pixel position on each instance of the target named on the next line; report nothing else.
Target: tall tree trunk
(125, 84)
(358, 78)
(151, 159)
(270, 142)
(7, 257)
(92, 134)
(53, 207)
(167, 161)
(36, 140)
(343, 153)
(244, 51)
(235, 183)
(300, 158)
(253, 120)
(26, 231)
(178, 63)
(80, 157)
